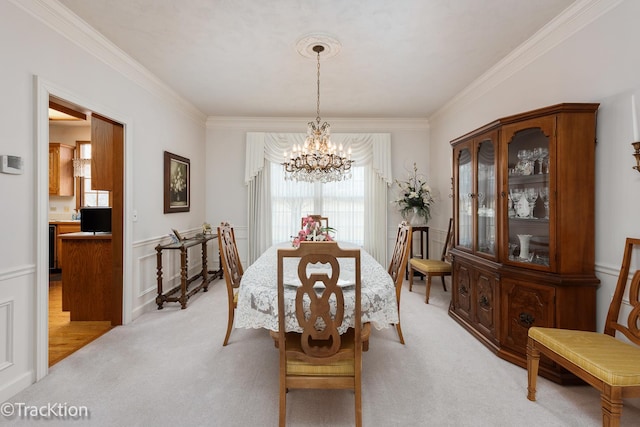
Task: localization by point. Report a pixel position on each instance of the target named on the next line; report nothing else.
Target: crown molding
(298, 124)
(60, 19)
(573, 19)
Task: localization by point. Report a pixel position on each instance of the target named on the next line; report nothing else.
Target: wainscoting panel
(6, 334)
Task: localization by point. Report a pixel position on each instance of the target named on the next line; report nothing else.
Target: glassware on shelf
(520, 204)
(544, 195)
(544, 162)
(511, 204)
(531, 194)
(512, 251)
(524, 158)
(524, 247)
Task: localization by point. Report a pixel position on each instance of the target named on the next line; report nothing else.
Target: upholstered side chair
(609, 364)
(433, 267)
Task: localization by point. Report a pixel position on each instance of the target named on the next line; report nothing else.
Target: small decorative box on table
(185, 281)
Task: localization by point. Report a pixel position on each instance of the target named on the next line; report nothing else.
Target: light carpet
(168, 368)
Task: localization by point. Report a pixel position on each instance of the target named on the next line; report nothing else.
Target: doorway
(113, 144)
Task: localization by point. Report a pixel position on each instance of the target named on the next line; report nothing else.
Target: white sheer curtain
(372, 152)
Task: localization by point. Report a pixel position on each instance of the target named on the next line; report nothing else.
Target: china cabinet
(524, 228)
(61, 169)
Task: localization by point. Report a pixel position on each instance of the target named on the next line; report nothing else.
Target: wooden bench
(607, 363)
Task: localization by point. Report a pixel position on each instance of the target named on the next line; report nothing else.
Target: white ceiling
(401, 58)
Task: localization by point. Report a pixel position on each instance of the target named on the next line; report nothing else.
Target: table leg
(183, 277)
(159, 298)
(205, 279)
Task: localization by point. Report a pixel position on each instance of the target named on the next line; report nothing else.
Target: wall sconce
(636, 154)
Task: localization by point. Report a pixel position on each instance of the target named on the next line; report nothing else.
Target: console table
(181, 289)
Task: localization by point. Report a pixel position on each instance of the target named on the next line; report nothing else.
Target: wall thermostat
(11, 164)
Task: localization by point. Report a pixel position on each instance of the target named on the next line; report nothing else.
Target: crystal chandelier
(318, 159)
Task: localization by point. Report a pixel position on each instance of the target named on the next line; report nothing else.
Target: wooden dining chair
(433, 267)
(605, 362)
(232, 269)
(323, 220)
(399, 263)
(320, 357)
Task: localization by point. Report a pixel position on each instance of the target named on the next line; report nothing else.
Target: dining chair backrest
(398, 264)
(448, 244)
(400, 253)
(319, 357)
(231, 265)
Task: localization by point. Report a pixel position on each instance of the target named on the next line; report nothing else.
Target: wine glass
(522, 155)
(537, 157)
(544, 160)
(544, 195)
(532, 195)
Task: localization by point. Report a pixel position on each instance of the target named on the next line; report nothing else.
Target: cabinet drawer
(524, 305)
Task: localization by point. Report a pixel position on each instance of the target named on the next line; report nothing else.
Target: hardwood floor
(66, 336)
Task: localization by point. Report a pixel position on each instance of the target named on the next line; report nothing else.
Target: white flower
(415, 193)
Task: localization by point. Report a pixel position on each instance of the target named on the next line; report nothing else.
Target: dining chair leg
(428, 291)
(533, 362)
(229, 325)
(410, 279)
(283, 402)
(399, 329)
(358, 402)
(444, 285)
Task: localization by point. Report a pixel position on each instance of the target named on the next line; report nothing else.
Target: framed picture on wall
(177, 184)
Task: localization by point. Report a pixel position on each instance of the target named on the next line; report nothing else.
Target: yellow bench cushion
(430, 265)
(613, 361)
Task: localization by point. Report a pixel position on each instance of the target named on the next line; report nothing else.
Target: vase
(415, 219)
(524, 246)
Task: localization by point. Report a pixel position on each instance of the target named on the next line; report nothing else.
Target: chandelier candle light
(318, 159)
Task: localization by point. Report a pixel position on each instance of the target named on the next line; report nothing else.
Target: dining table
(258, 294)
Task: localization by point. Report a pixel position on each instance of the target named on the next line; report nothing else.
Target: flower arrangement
(312, 230)
(416, 198)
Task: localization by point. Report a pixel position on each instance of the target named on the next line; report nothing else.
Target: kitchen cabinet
(61, 181)
(102, 135)
(524, 252)
(63, 228)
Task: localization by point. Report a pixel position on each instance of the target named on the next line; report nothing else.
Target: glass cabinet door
(465, 199)
(486, 197)
(529, 204)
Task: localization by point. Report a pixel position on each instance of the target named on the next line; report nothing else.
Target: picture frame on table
(177, 183)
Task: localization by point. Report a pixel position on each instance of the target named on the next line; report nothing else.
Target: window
(342, 202)
(89, 197)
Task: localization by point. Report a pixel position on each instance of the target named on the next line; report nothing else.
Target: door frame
(43, 90)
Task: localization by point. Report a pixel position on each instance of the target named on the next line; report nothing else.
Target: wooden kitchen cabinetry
(63, 228)
(524, 228)
(61, 169)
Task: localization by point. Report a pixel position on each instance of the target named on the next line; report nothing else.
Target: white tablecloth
(258, 294)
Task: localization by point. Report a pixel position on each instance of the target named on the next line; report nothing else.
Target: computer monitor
(96, 219)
